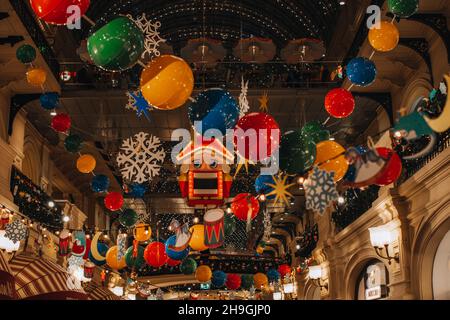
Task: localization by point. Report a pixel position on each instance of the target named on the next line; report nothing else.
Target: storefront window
(372, 282)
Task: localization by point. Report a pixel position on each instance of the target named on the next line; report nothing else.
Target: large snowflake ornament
(320, 190)
(243, 100)
(152, 35)
(140, 158)
(15, 231)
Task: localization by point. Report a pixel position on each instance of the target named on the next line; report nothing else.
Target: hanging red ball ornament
(61, 122)
(113, 201)
(233, 281)
(245, 206)
(155, 254)
(393, 168)
(284, 269)
(58, 11)
(265, 131)
(173, 263)
(339, 103)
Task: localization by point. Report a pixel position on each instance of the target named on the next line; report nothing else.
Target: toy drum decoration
(214, 228)
(89, 268)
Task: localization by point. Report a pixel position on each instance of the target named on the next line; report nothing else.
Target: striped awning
(7, 290)
(38, 278)
(97, 292)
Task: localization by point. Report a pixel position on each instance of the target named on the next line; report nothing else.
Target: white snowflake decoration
(15, 231)
(121, 246)
(140, 158)
(243, 100)
(75, 261)
(320, 190)
(152, 35)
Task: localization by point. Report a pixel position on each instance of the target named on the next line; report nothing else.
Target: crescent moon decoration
(442, 123)
(424, 151)
(94, 248)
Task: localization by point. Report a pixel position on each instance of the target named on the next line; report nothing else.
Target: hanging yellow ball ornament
(197, 242)
(167, 82)
(260, 280)
(86, 163)
(142, 232)
(36, 76)
(330, 157)
(203, 274)
(385, 38)
(112, 261)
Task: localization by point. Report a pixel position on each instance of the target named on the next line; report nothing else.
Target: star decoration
(280, 190)
(263, 103)
(152, 35)
(242, 163)
(320, 190)
(137, 102)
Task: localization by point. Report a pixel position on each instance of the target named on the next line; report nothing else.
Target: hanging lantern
(331, 157)
(36, 77)
(61, 122)
(155, 254)
(100, 183)
(385, 38)
(403, 8)
(167, 82)
(142, 232)
(117, 45)
(113, 201)
(361, 71)
(203, 274)
(197, 242)
(267, 135)
(233, 281)
(113, 260)
(73, 143)
(26, 53)
(188, 266)
(86, 163)
(56, 11)
(339, 103)
(216, 109)
(245, 206)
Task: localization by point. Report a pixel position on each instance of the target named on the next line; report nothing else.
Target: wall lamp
(381, 238)
(316, 275)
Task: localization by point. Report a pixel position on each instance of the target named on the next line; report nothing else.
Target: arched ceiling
(279, 20)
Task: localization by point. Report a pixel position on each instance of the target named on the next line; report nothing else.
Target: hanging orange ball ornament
(385, 38)
(86, 163)
(112, 261)
(36, 76)
(330, 157)
(197, 242)
(203, 274)
(167, 82)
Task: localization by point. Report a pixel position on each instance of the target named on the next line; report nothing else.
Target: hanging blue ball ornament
(100, 183)
(49, 101)
(137, 190)
(273, 275)
(216, 109)
(218, 279)
(361, 71)
(261, 186)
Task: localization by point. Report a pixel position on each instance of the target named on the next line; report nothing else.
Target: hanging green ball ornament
(229, 224)
(136, 262)
(316, 132)
(297, 152)
(117, 45)
(403, 8)
(73, 143)
(26, 53)
(247, 281)
(128, 218)
(188, 266)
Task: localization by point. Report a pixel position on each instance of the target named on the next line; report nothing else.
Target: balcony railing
(28, 20)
